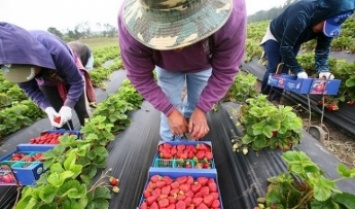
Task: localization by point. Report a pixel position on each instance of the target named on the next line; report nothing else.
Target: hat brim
(19, 74)
(164, 35)
(331, 30)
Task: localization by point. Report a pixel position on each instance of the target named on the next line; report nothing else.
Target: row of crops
(339, 67)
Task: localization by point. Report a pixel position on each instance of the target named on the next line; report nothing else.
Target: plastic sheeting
(344, 118)
(242, 178)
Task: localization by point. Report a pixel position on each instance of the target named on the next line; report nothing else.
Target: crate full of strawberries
(52, 137)
(24, 165)
(177, 189)
(184, 154)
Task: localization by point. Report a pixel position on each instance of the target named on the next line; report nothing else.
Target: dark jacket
(294, 27)
(43, 49)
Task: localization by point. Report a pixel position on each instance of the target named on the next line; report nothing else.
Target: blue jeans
(273, 56)
(172, 84)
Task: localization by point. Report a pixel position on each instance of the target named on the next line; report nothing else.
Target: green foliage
(268, 126)
(304, 186)
(242, 88)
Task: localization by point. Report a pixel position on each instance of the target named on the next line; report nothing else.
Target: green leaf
(100, 151)
(258, 128)
(57, 179)
(48, 193)
(56, 168)
(247, 139)
(345, 172)
(70, 160)
(267, 131)
(102, 192)
(345, 199)
(323, 188)
(315, 204)
(73, 189)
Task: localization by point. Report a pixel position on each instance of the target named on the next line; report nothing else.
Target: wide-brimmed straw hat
(172, 24)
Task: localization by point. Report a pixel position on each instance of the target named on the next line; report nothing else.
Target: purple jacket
(224, 57)
(44, 49)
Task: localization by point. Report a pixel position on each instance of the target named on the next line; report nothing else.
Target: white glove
(302, 75)
(326, 75)
(51, 115)
(65, 115)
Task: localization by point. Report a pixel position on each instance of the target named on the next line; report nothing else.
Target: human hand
(177, 123)
(52, 115)
(326, 75)
(198, 126)
(302, 75)
(65, 115)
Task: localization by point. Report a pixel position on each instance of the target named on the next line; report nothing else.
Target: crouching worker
(45, 68)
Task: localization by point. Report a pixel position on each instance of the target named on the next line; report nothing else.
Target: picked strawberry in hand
(57, 119)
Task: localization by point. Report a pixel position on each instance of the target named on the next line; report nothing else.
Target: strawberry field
(263, 156)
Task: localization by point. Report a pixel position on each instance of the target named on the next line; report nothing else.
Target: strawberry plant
(265, 125)
(304, 186)
(242, 88)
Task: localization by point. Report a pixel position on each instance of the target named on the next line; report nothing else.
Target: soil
(335, 140)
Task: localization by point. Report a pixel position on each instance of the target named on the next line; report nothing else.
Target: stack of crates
(182, 175)
(24, 165)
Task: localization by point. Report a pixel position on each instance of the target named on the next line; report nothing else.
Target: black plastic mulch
(242, 178)
(344, 118)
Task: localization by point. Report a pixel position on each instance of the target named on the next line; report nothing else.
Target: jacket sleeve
(34, 93)
(139, 66)
(65, 64)
(227, 54)
(293, 29)
(322, 53)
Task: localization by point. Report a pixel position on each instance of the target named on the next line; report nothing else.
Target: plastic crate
(21, 172)
(175, 173)
(297, 85)
(304, 86)
(325, 87)
(277, 80)
(188, 163)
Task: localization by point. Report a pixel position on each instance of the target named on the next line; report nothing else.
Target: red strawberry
(196, 187)
(209, 155)
(180, 205)
(202, 180)
(188, 200)
(154, 206)
(205, 190)
(208, 200)
(175, 185)
(146, 194)
(181, 179)
(155, 178)
(202, 206)
(216, 204)
(150, 200)
(185, 187)
(160, 184)
(163, 203)
(167, 179)
(166, 190)
(200, 154)
(190, 180)
(197, 201)
(57, 119)
(213, 186)
(113, 181)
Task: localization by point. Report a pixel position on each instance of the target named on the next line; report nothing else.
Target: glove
(65, 115)
(52, 114)
(302, 75)
(326, 75)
